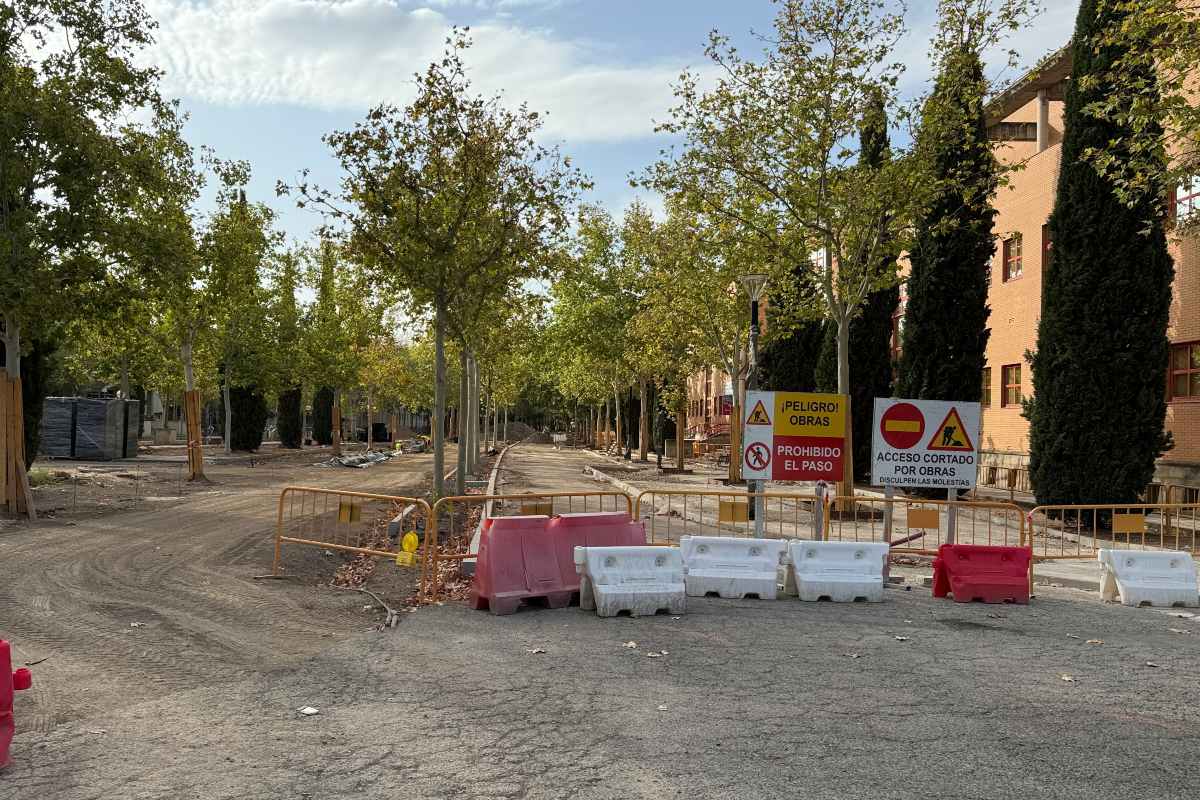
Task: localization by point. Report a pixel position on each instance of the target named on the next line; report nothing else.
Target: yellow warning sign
(759, 415)
(951, 435)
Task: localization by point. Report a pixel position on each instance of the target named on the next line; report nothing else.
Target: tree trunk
(124, 376)
(735, 433)
(505, 425)
(15, 492)
(464, 436)
(336, 413)
(680, 431)
(191, 414)
(617, 414)
(846, 485)
(644, 423)
(604, 441)
(370, 427)
(228, 437)
(436, 425)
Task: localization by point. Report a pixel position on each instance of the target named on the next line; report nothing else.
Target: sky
(264, 80)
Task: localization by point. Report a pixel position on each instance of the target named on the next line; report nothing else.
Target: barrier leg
(587, 599)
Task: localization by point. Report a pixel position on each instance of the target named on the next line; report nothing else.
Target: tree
(446, 196)
(768, 153)
(1145, 83)
(1098, 408)
(285, 319)
(945, 331)
(64, 169)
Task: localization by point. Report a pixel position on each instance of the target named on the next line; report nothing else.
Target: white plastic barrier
(1143, 577)
(841, 571)
(731, 567)
(640, 580)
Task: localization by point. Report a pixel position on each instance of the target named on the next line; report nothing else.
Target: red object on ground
(979, 572)
(533, 557)
(9, 682)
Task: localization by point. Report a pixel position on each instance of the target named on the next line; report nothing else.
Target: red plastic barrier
(603, 529)
(979, 572)
(521, 558)
(10, 682)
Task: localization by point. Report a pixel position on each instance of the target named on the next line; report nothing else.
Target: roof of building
(1051, 74)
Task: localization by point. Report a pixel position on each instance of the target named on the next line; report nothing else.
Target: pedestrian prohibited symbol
(758, 456)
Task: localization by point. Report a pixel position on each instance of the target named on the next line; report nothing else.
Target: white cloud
(352, 54)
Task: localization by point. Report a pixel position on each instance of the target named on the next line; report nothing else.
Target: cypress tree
(945, 331)
(1098, 408)
(290, 420)
(826, 372)
(322, 419)
(249, 416)
(787, 364)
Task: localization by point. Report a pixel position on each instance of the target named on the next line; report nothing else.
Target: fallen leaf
(98, 732)
(137, 624)
(901, 638)
(662, 708)
(1156, 666)
(308, 711)
(630, 645)
(851, 655)
(665, 652)
(535, 651)
(676, 618)
(1067, 678)
(998, 616)
(1073, 636)
(653, 655)
(1095, 641)
(1178, 630)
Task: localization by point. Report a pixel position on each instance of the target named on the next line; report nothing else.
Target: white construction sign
(925, 443)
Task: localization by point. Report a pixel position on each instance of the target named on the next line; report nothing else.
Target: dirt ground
(122, 600)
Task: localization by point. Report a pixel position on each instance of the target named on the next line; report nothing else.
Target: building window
(1012, 258)
(1013, 132)
(1010, 374)
(1187, 199)
(1184, 380)
(986, 398)
(1047, 246)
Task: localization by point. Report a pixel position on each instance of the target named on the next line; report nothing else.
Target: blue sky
(263, 80)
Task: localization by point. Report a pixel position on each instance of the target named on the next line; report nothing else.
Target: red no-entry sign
(902, 425)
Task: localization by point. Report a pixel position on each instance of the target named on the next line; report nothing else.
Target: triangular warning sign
(758, 416)
(951, 435)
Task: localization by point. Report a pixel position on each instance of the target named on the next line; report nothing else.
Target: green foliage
(945, 331)
(787, 363)
(322, 416)
(290, 417)
(1145, 83)
(1098, 412)
(249, 408)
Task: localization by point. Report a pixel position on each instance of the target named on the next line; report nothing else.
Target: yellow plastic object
(410, 542)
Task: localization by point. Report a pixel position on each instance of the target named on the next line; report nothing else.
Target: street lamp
(754, 284)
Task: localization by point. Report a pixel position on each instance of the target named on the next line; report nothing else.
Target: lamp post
(754, 285)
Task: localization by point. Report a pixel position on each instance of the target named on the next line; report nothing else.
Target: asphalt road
(754, 699)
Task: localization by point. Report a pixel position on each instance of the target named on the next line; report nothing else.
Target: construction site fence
(455, 525)
(347, 521)
(909, 525)
(1078, 531)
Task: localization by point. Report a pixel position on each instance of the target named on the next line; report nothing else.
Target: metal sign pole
(889, 494)
(952, 511)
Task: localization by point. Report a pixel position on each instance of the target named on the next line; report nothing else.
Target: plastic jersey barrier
(731, 567)
(840, 571)
(978, 572)
(1148, 578)
(10, 682)
(640, 580)
(516, 563)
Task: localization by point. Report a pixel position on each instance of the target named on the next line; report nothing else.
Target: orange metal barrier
(1078, 531)
(918, 526)
(450, 517)
(671, 514)
(335, 519)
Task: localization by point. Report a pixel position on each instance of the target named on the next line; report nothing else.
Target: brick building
(1026, 124)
